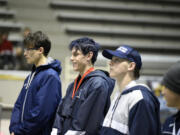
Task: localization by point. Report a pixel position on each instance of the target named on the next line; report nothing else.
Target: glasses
(29, 49)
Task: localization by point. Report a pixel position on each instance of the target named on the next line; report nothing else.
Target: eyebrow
(115, 58)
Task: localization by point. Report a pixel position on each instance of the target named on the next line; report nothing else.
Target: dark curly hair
(37, 40)
(86, 45)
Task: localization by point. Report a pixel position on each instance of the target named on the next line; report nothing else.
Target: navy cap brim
(109, 54)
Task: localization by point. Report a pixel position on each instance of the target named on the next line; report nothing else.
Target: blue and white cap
(124, 52)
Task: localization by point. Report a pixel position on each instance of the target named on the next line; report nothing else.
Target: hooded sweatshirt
(84, 113)
(35, 108)
(135, 111)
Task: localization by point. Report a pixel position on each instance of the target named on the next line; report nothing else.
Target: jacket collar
(131, 86)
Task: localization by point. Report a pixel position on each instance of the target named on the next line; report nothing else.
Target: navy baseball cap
(124, 52)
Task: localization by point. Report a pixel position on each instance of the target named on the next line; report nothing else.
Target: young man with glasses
(135, 109)
(35, 108)
(87, 98)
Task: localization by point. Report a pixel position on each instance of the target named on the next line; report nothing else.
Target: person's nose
(25, 53)
(71, 58)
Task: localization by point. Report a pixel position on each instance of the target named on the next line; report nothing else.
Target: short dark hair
(86, 45)
(37, 40)
(136, 72)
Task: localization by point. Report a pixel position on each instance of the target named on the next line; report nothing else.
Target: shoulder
(140, 94)
(97, 80)
(97, 83)
(46, 76)
(99, 77)
(94, 84)
(48, 73)
(133, 98)
(142, 91)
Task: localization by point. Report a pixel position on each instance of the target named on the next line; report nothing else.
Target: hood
(51, 63)
(105, 75)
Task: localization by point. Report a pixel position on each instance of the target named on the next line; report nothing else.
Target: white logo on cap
(122, 49)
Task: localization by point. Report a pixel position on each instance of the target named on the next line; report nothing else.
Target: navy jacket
(133, 112)
(86, 111)
(35, 108)
(172, 124)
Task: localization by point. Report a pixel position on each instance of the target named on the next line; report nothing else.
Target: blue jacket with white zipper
(84, 113)
(135, 111)
(35, 108)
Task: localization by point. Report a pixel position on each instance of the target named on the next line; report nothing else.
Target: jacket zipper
(27, 89)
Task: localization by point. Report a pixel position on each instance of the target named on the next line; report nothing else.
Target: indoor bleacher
(150, 26)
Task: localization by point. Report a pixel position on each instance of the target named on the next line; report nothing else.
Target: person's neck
(41, 61)
(85, 69)
(123, 82)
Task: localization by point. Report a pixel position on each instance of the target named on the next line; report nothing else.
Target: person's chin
(75, 69)
(111, 74)
(29, 62)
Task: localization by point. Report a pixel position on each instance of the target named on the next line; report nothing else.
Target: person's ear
(41, 50)
(89, 56)
(131, 66)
